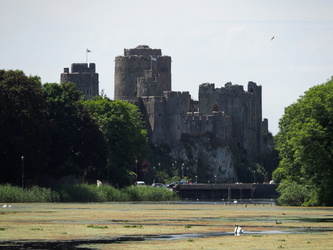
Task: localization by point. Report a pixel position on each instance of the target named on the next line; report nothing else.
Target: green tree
(121, 122)
(23, 127)
(78, 146)
(305, 145)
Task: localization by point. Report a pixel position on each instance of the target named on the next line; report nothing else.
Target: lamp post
(108, 165)
(182, 170)
(196, 176)
(154, 174)
(22, 159)
(136, 165)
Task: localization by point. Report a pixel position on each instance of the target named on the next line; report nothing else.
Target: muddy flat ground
(166, 225)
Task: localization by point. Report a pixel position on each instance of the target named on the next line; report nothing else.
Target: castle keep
(141, 72)
(143, 76)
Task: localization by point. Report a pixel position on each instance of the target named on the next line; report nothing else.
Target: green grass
(97, 227)
(83, 193)
(133, 226)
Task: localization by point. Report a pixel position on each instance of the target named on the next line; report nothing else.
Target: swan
(238, 230)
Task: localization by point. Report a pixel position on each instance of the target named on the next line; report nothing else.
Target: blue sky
(213, 41)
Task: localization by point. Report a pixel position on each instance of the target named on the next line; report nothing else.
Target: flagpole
(87, 51)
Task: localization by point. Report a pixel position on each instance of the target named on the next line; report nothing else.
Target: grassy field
(189, 225)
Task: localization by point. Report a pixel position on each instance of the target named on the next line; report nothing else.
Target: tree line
(59, 133)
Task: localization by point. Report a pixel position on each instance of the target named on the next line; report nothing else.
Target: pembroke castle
(143, 77)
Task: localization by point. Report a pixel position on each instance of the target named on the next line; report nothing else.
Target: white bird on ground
(238, 230)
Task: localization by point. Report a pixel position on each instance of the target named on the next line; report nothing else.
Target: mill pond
(179, 225)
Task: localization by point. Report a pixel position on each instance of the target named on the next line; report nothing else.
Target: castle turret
(133, 70)
(85, 78)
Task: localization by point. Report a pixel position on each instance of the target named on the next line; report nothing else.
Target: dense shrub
(292, 194)
(84, 193)
(149, 194)
(10, 193)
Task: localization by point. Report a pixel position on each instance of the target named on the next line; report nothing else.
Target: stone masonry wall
(243, 106)
(85, 78)
(133, 64)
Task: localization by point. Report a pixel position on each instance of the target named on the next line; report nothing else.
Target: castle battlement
(85, 78)
(82, 68)
(142, 50)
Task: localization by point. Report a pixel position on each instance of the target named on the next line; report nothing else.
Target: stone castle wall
(85, 78)
(133, 65)
(243, 106)
(230, 112)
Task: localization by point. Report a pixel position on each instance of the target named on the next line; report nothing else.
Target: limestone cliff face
(206, 159)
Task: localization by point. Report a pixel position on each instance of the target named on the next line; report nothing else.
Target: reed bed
(83, 193)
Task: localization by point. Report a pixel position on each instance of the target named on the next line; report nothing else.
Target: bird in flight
(272, 38)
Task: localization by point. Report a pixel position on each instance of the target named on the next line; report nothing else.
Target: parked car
(171, 185)
(159, 185)
(140, 183)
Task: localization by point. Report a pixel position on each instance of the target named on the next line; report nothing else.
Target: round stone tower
(133, 65)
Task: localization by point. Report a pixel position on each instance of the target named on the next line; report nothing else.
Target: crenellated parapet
(85, 78)
(218, 123)
(142, 50)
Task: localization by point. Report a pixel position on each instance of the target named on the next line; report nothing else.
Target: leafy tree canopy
(305, 145)
(78, 146)
(121, 122)
(23, 127)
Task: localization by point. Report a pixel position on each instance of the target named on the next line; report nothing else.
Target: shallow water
(92, 243)
(95, 243)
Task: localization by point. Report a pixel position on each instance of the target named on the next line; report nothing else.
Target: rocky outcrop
(206, 158)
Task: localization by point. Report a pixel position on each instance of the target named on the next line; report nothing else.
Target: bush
(10, 193)
(108, 193)
(292, 194)
(84, 193)
(149, 194)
